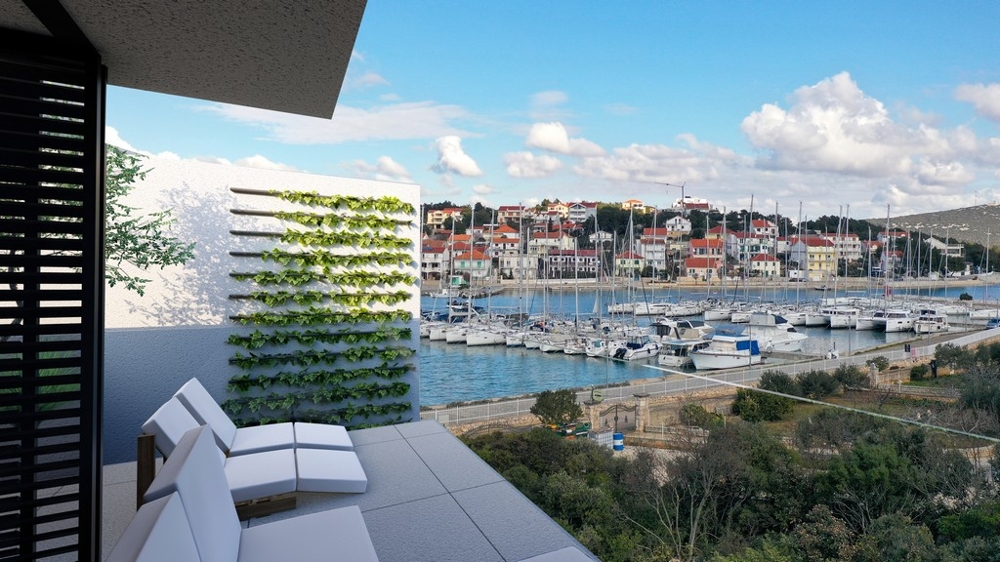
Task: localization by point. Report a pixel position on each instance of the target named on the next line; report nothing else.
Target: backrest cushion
(159, 532)
(207, 411)
(195, 471)
(168, 424)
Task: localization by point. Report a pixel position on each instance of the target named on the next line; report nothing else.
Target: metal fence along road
(676, 382)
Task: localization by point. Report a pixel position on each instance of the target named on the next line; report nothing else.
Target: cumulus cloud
(834, 127)
(943, 173)
(649, 163)
(451, 158)
(114, 138)
(483, 189)
(984, 97)
(401, 121)
(553, 137)
(258, 161)
(527, 165)
(384, 169)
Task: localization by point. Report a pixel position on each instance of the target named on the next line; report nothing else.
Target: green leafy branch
(307, 377)
(290, 401)
(340, 416)
(280, 298)
(373, 222)
(385, 204)
(259, 339)
(296, 277)
(306, 358)
(327, 259)
(313, 316)
(355, 239)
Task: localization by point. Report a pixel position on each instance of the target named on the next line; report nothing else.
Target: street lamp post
(683, 204)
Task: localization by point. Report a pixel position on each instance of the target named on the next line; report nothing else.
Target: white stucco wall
(178, 329)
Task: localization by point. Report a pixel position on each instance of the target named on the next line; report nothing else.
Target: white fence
(677, 383)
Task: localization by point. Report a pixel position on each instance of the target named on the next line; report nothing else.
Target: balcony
(429, 498)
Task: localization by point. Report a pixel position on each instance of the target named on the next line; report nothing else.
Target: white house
(580, 212)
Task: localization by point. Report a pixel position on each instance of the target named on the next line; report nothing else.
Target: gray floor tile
(452, 462)
(374, 435)
(425, 427)
(430, 530)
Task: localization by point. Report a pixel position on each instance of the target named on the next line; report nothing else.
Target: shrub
(817, 384)
(881, 362)
(779, 382)
(851, 376)
(918, 372)
(754, 406)
(696, 415)
(556, 407)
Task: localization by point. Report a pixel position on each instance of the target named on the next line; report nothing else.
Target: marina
(454, 373)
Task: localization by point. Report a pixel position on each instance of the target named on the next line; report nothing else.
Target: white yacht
(774, 333)
(839, 317)
(893, 320)
(727, 352)
(931, 322)
(677, 353)
(636, 348)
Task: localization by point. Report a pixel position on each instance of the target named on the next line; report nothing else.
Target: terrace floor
(429, 498)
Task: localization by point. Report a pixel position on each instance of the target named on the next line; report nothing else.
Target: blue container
(618, 442)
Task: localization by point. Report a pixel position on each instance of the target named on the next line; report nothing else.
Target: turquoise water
(456, 372)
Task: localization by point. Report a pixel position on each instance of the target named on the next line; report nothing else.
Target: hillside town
(690, 240)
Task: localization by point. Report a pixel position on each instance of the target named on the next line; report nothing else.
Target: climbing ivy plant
(327, 345)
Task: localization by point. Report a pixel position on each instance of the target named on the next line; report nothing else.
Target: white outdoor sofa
(188, 515)
(262, 474)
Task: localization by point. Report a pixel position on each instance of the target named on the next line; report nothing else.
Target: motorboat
(727, 352)
(774, 333)
(677, 353)
(931, 322)
(679, 329)
(841, 317)
(635, 349)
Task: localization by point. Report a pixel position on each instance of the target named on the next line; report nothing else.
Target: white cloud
(258, 161)
(985, 98)
(402, 121)
(527, 165)
(483, 189)
(367, 80)
(451, 158)
(384, 169)
(621, 109)
(547, 105)
(834, 127)
(943, 173)
(649, 163)
(553, 137)
(112, 137)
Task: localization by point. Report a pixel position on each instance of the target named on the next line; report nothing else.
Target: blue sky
(828, 104)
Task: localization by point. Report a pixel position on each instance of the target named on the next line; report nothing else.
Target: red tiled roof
(701, 263)
(763, 257)
(706, 243)
(472, 256)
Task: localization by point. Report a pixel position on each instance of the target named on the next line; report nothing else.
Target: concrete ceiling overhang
(284, 55)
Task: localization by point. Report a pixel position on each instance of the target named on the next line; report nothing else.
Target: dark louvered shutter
(51, 298)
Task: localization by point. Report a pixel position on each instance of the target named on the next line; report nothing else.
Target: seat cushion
(206, 410)
(259, 438)
(159, 532)
(195, 472)
(168, 424)
(322, 436)
(323, 470)
(261, 475)
(337, 534)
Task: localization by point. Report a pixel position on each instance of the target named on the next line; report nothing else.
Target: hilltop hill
(968, 224)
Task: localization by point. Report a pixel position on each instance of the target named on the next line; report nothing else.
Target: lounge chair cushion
(234, 441)
(260, 475)
(168, 424)
(194, 471)
(338, 534)
(159, 532)
(322, 470)
(322, 436)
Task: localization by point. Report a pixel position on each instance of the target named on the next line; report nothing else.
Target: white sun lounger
(264, 474)
(245, 440)
(187, 516)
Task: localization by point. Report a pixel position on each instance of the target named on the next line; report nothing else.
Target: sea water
(456, 372)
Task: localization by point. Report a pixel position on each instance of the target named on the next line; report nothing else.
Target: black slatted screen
(51, 278)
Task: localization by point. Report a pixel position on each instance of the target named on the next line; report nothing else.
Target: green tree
(697, 416)
(754, 406)
(139, 240)
(817, 384)
(778, 381)
(556, 407)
